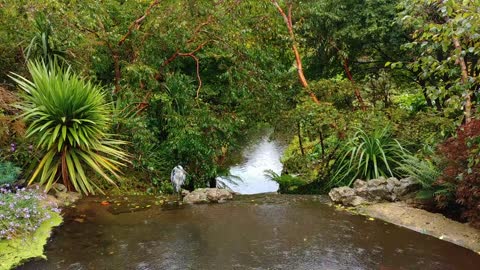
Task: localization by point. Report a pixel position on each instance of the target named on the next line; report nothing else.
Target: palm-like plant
(367, 156)
(70, 117)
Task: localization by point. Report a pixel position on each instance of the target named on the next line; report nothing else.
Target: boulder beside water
(208, 195)
(372, 191)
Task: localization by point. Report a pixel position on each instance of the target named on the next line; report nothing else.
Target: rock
(185, 192)
(59, 187)
(362, 192)
(359, 183)
(195, 197)
(67, 198)
(407, 185)
(378, 193)
(374, 190)
(353, 201)
(392, 182)
(218, 195)
(205, 195)
(377, 182)
(339, 194)
(51, 201)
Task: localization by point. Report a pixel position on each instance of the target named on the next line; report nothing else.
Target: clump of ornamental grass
(367, 156)
(70, 118)
(22, 212)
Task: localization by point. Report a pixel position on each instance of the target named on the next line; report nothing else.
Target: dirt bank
(419, 220)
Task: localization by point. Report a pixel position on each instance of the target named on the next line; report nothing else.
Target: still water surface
(252, 232)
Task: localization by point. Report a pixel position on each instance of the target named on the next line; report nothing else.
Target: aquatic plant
(70, 118)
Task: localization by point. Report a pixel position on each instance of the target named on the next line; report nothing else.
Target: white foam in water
(262, 156)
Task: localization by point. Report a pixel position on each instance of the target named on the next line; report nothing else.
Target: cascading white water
(249, 176)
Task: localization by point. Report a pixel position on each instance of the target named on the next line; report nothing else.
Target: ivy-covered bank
(27, 217)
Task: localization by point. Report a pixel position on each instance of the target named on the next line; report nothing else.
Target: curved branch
(136, 24)
(188, 54)
(298, 59)
(197, 64)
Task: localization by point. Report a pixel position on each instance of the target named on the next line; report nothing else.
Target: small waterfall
(249, 176)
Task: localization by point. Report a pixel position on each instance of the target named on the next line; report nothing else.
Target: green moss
(14, 252)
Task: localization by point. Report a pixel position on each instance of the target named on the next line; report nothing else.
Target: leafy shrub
(191, 133)
(148, 163)
(423, 171)
(22, 212)
(424, 130)
(462, 170)
(70, 118)
(337, 91)
(315, 144)
(426, 172)
(8, 173)
(367, 156)
(288, 184)
(10, 126)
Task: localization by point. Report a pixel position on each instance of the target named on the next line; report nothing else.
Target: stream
(265, 231)
(249, 175)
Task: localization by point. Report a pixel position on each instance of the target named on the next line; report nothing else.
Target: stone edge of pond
(422, 221)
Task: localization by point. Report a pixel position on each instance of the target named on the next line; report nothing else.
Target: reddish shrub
(462, 170)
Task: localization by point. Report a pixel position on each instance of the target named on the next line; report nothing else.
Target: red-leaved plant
(462, 170)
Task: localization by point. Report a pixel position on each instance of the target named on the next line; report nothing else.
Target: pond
(252, 232)
(266, 231)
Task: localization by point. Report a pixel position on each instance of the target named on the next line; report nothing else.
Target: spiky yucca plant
(367, 156)
(70, 118)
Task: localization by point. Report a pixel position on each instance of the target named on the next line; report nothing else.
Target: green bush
(8, 173)
(423, 171)
(70, 119)
(288, 184)
(426, 172)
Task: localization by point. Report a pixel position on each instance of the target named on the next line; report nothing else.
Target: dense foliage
(189, 79)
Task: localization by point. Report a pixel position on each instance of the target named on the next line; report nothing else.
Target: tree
(445, 50)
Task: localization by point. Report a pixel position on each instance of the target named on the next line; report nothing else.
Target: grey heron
(178, 177)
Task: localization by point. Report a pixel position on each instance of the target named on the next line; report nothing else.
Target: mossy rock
(14, 252)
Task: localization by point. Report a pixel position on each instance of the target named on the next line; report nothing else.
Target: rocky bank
(385, 199)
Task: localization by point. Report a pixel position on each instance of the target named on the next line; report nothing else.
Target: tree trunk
(355, 87)
(299, 134)
(298, 59)
(464, 80)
